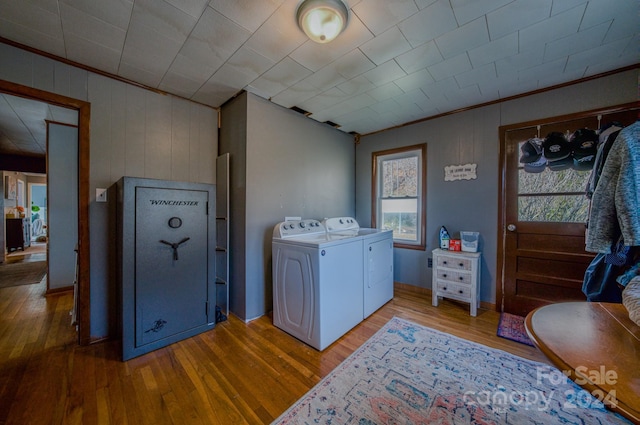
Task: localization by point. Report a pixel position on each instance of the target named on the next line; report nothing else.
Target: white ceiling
(397, 61)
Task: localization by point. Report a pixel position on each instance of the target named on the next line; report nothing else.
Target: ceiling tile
(600, 54)
(385, 46)
(429, 23)
(466, 11)
(558, 26)
(575, 43)
(180, 84)
(516, 15)
(295, 94)
(439, 88)
(190, 7)
(249, 14)
(315, 56)
(494, 50)
(113, 12)
(356, 85)
(282, 75)
(420, 57)
(324, 100)
(534, 73)
(90, 28)
(450, 67)
(477, 75)
(91, 54)
(385, 92)
(414, 81)
(203, 44)
(279, 35)
(600, 11)
(163, 18)
(561, 6)
(525, 59)
(326, 78)
(463, 38)
(622, 26)
(385, 73)
(380, 15)
(353, 64)
(385, 106)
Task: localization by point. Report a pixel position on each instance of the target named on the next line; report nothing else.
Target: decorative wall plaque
(460, 172)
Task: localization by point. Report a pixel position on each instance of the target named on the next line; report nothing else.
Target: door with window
(542, 259)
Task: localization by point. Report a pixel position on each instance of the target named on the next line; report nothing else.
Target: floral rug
(512, 327)
(410, 374)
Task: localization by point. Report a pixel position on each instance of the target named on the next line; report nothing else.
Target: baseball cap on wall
(556, 147)
(536, 166)
(584, 143)
(531, 150)
(561, 164)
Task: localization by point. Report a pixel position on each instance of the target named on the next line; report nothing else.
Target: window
(399, 194)
(553, 196)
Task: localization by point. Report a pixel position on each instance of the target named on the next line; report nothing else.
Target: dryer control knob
(302, 224)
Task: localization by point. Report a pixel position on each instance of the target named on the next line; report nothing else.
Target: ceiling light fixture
(322, 20)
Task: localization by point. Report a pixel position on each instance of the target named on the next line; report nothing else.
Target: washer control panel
(291, 228)
(338, 224)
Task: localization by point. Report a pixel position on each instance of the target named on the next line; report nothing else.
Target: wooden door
(543, 220)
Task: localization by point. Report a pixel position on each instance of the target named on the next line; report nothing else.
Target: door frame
(502, 207)
(84, 117)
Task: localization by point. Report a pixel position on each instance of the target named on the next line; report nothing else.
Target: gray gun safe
(165, 261)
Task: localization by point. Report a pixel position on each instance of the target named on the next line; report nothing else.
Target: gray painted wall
(134, 132)
(472, 137)
(293, 166)
(233, 136)
(62, 204)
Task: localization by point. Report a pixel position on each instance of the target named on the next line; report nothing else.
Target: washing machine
(317, 282)
(377, 254)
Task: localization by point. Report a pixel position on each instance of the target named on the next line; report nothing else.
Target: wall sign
(460, 172)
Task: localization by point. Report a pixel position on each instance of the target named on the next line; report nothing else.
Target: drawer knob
(461, 278)
(444, 288)
(461, 291)
(444, 262)
(461, 264)
(444, 275)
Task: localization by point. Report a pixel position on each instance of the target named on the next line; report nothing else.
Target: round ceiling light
(322, 20)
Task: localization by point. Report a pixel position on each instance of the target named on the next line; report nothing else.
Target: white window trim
(399, 153)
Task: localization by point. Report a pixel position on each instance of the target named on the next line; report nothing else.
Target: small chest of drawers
(456, 275)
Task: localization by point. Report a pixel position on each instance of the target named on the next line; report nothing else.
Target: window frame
(397, 153)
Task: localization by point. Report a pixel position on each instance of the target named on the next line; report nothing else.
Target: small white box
(469, 241)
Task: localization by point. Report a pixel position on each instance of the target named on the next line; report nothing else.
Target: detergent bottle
(444, 238)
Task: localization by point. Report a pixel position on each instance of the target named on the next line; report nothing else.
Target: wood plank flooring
(237, 373)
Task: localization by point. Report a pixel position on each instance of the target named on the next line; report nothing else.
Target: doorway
(83, 110)
(541, 241)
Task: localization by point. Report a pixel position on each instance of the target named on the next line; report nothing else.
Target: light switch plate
(101, 195)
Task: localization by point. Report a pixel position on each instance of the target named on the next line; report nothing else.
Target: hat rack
(569, 124)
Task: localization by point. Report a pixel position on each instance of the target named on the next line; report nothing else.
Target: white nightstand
(456, 275)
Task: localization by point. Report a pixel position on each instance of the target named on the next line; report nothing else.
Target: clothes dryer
(317, 282)
(377, 254)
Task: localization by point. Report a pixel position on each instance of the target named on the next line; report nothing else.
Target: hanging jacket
(615, 205)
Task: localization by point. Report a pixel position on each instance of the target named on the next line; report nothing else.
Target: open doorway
(82, 109)
(37, 211)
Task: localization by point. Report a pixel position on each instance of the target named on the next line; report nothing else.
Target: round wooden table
(597, 346)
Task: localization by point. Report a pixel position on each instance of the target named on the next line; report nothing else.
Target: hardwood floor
(236, 373)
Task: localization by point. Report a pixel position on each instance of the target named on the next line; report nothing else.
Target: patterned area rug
(410, 374)
(23, 273)
(512, 327)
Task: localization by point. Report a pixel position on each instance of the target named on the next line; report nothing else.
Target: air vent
(300, 111)
(332, 124)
